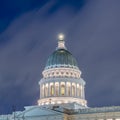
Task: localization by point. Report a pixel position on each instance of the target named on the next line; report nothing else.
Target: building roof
(35, 111)
(61, 58)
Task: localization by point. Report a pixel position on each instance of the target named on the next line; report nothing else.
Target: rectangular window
(68, 88)
(57, 89)
(51, 89)
(62, 88)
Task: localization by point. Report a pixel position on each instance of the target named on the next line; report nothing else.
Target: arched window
(51, 89)
(57, 89)
(62, 88)
(73, 89)
(78, 90)
(68, 88)
(46, 90)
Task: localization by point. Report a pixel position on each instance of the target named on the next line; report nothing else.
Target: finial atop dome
(61, 36)
(61, 41)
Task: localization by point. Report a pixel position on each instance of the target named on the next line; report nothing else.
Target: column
(70, 89)
(54, 88)
(59, 89)
(80, 91)
(75, 89)
(65, 89)
(48, 89)
(83, 92)
(44, 91)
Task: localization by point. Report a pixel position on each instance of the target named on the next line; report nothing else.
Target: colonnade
(68, 89)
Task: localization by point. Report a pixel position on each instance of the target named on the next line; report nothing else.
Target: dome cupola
(62, 83)
(61, 57)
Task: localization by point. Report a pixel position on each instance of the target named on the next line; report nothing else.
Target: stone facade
(40, 113)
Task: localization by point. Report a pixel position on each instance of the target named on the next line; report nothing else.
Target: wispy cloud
(92, 36)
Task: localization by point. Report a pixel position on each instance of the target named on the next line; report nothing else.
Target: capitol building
(62, 93)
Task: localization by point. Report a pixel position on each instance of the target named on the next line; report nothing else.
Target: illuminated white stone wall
(62, 85)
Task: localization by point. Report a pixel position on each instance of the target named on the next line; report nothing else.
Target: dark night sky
(28, 35)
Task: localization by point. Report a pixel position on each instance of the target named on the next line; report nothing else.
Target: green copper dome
(61, 58)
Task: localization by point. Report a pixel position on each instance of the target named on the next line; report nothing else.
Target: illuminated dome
(62, 83)
(61, 58)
